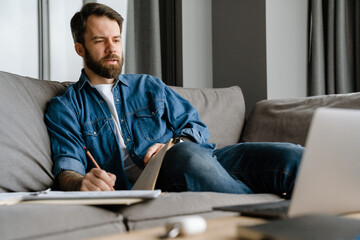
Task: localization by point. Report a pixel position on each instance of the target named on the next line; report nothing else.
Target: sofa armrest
(288, 120)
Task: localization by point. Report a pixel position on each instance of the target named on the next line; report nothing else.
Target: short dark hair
(78, 21)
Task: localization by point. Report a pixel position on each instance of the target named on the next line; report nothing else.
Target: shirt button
(101, 101)
(122, 120)
(94, 132)
(128, 139)
(117, 100)
(152, 113)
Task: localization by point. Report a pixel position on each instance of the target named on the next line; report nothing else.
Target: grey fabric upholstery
(221, 109)
(24, 143)
(288, 120)
(57, 222)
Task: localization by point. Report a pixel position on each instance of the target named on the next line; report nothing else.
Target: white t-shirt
(132, 171)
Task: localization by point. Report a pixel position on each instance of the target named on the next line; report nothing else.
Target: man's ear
(79, 49)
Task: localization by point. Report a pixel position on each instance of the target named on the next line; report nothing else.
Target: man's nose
(111, 48)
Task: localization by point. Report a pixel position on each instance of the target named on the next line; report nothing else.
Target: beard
(102, 68)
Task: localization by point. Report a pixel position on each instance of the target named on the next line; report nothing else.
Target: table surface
(219, 228)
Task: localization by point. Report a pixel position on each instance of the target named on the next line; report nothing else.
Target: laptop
(328, 180)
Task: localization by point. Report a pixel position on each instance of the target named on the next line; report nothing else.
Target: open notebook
(143, 189)
(148, 177)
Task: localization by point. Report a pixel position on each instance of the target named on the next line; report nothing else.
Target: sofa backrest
(25, 163)
(288, 120)
(221, 109)
(25, 154)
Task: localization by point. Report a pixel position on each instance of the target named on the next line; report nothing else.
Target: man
(123, 119)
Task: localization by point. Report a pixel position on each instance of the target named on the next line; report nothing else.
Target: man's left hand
(152, 150)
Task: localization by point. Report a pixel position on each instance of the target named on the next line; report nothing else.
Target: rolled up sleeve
(65, 135)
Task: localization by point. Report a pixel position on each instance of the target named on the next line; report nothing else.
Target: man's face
(103, 47)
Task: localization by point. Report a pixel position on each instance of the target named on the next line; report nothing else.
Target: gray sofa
(25, 158)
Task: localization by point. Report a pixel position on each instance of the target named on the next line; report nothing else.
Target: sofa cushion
(24, 143)
(221, 109)
(288, 120)
(29, 221)
(156, 212)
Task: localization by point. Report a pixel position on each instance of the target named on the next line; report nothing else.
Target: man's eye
(99, 41)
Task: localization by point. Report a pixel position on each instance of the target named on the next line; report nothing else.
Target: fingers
(151, 151)
(98, 180)
(112, 180)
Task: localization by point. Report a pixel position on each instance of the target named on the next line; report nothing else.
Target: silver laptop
(329, 177)
(328, 181)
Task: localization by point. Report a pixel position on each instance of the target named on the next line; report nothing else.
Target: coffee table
(219, 228)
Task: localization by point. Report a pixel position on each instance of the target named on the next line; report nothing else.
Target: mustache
(111, 57)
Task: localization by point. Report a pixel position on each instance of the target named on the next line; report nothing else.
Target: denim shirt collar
(84, 80)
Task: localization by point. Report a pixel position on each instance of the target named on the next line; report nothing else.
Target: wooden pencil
(94, 162)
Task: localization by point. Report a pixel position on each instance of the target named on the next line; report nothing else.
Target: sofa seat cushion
(24, 142)
(32, 221)
(156, 212)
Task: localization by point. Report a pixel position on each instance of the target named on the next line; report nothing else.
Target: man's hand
(95, 180)
(98, 180)
(152, 150)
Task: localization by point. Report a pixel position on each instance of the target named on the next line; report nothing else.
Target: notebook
(329, 174)
(122, 197)
(147, 179)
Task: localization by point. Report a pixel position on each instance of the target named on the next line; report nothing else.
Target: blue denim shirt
(149, 112)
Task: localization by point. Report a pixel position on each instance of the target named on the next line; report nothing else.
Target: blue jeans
(240, 168)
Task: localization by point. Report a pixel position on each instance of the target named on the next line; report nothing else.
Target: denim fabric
(240, 168)
(149, 113)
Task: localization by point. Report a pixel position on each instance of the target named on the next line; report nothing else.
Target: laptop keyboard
(277, 209)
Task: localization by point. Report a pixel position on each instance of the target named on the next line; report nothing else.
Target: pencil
(94, 162)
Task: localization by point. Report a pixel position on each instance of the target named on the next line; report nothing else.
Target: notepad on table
(122, 197)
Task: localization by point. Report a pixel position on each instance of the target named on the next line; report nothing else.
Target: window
(19, 37)
(36, 38)
(65, 64)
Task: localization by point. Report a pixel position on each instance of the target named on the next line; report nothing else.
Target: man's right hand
(95, 180)
(98, 180)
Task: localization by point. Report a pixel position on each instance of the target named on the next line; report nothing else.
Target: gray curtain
(143, 50)
(334, 47)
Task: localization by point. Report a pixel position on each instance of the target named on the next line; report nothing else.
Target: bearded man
(123, 119)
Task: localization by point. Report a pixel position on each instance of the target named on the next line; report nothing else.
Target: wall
(286, 40)
(260, 46)
(197, 44)
(256, 44)
(239, 47)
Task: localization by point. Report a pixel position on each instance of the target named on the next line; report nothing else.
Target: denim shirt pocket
(150, 121)
(99, 140)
